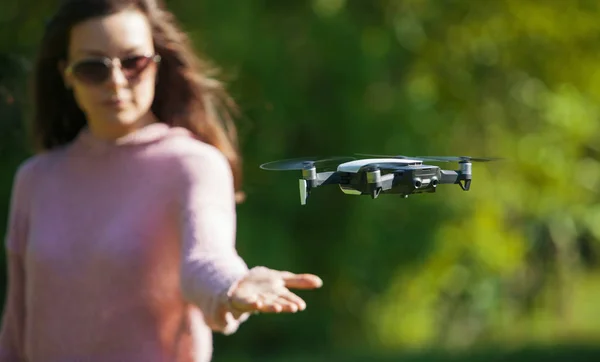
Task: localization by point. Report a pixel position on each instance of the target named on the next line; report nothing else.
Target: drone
(378, 174)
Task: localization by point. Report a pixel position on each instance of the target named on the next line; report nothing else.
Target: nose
(117, 77)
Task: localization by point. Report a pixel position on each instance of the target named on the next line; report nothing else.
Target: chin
(116, 119)
(123, 118)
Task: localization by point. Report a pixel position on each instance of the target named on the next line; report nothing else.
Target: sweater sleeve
(13, 316)
(210, 263)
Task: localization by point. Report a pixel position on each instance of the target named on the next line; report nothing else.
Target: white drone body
(355, 165)
(380, 175)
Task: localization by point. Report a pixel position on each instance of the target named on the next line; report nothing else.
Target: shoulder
(183, 144)
(23, 183)
(191, 157)
(199, 172)
(32, 166)
(42, 161)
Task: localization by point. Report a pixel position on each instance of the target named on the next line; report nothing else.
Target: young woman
(121, 239)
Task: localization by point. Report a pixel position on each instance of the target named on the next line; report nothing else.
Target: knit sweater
(121, 250)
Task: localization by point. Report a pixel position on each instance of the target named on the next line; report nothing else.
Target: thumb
(245, 303)
(301, 281)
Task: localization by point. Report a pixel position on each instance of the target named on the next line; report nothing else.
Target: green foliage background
(513, 262)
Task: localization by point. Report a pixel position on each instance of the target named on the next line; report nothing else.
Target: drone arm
(449, 177)
(316, 179)
(376, 182)
(328, 178)
(387, 181)
(463, 179)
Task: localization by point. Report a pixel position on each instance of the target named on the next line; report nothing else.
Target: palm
(267, 290)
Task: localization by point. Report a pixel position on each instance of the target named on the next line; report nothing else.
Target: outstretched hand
(267, 290)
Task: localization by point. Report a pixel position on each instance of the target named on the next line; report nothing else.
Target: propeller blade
(381, 156)
(434, 158)
(306, 162)
(458, 158)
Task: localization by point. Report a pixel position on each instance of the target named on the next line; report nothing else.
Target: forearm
(210, 263)
(206, 280)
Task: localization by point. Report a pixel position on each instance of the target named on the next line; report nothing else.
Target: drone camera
(417, 182)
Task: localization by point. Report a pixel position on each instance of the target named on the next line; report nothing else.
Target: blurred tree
(509, 78)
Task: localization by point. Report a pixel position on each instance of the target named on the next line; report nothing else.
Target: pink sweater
(121, 251)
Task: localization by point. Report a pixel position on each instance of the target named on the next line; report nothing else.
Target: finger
(245, 305)
(301, 281)
(294, 299)
(264, 303)
(281, 302)
(271, 307)
(287, 305)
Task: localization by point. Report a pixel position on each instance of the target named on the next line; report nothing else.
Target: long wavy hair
(186, 96)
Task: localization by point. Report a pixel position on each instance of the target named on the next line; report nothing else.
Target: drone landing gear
(374, 191)
(307, 182)
(304, 191)
(464, 181)
(311, 180)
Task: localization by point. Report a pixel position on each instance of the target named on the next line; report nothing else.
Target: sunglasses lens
(133, 66)
(95, 71)
(92, 71)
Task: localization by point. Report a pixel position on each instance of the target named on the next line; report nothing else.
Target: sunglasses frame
(110, 63)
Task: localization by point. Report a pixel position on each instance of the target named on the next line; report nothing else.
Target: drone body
(399, 175)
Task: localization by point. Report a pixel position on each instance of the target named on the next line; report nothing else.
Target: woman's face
(116, 99)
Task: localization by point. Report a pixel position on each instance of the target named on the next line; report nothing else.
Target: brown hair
(186, 95)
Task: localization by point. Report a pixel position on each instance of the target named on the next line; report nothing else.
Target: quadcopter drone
(377, 174)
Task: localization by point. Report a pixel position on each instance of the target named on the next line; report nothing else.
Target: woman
(121, 235)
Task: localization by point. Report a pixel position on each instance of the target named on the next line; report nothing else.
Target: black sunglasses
(98, 70)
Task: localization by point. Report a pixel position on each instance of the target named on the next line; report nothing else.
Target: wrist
(229, 296)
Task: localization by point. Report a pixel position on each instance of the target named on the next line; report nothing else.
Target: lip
(114, 102)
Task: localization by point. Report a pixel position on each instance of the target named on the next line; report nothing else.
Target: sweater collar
(147, 134)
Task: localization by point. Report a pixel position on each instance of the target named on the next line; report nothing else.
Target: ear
(62, 67)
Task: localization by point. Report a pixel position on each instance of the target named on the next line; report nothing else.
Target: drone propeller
(381, 156)
(436, 158)
(305, 163)
(458, 158)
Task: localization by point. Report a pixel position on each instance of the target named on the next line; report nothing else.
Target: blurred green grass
(563, 353)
